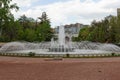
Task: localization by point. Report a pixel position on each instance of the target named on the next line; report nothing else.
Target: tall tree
(5, 12)
(106, 30)
(44, 30)
(26, 22)
(118, 29)
(11, 31)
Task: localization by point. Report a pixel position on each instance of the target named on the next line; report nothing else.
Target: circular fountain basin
(84, 47)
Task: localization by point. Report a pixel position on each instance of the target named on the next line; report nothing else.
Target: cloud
(70, 11)
(22, 3)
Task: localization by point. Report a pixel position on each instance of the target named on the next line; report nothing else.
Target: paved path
(12, 68)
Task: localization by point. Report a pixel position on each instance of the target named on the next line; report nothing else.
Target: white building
(71, 30)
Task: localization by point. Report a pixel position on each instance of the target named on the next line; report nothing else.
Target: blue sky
(43, 2)
(68, 11)
(46, 2)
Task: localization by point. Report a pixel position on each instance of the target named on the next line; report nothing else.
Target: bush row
(31, 54)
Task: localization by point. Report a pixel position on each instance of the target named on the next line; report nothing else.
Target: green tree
(30, 35)
(83, 34)
(27, 22)
(28, 32)
(106, 30)
(5, 12)
(118, 29)
(11, 31)
(44, 31)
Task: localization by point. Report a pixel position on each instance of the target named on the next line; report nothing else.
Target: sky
(61, 12)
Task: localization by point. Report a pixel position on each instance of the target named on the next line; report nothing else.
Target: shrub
(67, 55)
(31, 54)
(113, 54)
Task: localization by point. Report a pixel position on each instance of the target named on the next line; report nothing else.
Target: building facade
(71, 30)
(118, 11)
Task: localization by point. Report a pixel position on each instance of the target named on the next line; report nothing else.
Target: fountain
(60, 47)
(61, 36)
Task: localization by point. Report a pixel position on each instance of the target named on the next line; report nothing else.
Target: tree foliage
(107, 30)
(44, 31)
(27, 29)
(5, 12)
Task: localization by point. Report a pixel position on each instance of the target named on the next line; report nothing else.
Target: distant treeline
(28, 29)
(105, 31)
(23, 28)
